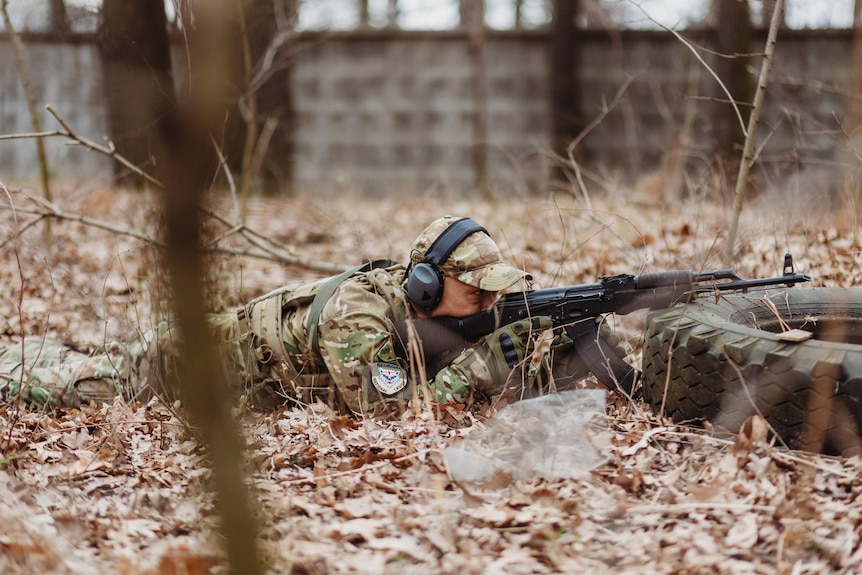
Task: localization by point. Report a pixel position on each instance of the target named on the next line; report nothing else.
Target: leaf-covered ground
(125, 489)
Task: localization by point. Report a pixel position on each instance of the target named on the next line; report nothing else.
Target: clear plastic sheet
(555, 436)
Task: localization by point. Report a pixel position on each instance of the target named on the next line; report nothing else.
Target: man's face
(460, 299)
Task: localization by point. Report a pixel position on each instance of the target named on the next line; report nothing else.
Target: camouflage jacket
(266, 349)
(354, 340)
(355, 363)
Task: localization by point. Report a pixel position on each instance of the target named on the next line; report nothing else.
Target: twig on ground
(16, 413)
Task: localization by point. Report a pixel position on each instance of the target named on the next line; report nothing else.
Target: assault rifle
(574, 309)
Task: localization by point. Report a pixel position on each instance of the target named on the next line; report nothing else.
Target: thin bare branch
(27, 136)
(748, 150)
(51, 210)
(570, 149)
(108, 150)
(264, 252)
(700, 59)
(266, 248)
(237, 210)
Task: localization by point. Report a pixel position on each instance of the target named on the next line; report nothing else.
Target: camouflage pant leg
(161, 364)
(266, 384)
(54, 374)
(158, 361)
(50, 373)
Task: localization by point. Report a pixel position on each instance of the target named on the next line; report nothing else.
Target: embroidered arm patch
(388, 378)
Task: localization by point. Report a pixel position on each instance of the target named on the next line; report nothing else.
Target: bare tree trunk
(59, 17)
(854, 114)
(565, 55)
(854, 110)
(259, 128)
(27, 83)
(468, 13)
(248, 108)
(363, 13)
(853, 129)
(392, 14)
(472, 14)
(734, 40)
(138, 82)
(472, 17)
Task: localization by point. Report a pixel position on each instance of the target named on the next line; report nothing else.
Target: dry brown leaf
(122, 488)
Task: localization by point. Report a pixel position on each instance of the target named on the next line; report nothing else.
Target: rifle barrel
(740, 284)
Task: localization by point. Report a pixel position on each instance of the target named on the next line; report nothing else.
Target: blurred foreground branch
(186, 171)
(204, 387)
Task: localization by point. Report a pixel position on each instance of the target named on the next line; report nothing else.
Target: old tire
(723, 361)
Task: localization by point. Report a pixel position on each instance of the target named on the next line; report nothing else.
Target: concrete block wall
(390, 115)
(670, 91)
(393, 113)
(69, 78)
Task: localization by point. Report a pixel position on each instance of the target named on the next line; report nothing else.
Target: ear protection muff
(425, 280)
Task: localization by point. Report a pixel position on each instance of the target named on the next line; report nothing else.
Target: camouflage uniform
(266, 347)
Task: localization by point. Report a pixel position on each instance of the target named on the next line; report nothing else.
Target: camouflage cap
(476, 261)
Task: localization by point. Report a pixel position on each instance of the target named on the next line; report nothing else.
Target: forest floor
(125, 489)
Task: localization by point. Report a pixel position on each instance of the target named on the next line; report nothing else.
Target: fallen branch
(50, 210)
(267, 249)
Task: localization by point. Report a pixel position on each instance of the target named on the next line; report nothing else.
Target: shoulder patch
(388, 378)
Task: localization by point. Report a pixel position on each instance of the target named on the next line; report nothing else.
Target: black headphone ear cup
(425, 280)
(425, 286)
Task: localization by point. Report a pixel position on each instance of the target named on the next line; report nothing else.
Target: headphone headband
(450, 239)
